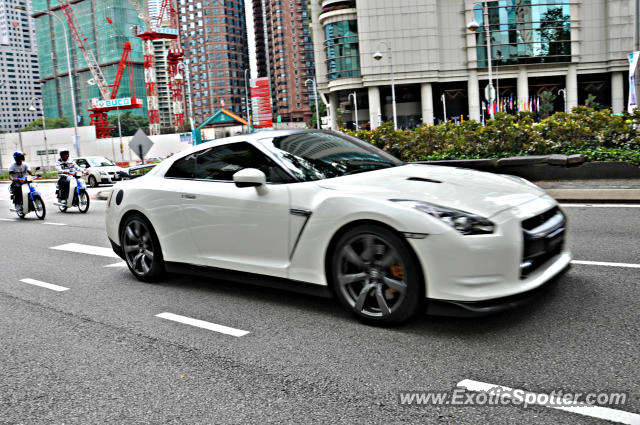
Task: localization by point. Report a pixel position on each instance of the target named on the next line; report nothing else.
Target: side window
(82, 163)
(184, 168)
(222, 162)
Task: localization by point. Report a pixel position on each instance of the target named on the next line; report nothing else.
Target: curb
(595, 195)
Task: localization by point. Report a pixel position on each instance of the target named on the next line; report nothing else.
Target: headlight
(464, 222)
(103, 173)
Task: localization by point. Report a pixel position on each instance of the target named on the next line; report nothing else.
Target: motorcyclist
(18, 170)
(65, 168)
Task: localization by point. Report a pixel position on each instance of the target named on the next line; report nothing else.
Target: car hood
(473, 191)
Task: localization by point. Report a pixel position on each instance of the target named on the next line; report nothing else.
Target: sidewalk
(597, 190)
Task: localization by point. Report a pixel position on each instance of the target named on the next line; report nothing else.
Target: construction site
(115, 61)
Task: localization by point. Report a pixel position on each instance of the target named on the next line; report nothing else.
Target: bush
(599, 135)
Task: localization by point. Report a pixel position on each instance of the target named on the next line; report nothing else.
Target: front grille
(543, 239)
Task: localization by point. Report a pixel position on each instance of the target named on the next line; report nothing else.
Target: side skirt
(251, 279)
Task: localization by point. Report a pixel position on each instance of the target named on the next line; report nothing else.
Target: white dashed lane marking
(599, 412)
(87, 249)
(606, 264)
(202, 324)
(54, 224)
(44, 284)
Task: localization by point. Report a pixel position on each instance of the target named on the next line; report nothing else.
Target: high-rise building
(19, 74)
(573, 50)
(214, 37)
(160, 50)
(287, 58)
(154, 8)
(107, 26)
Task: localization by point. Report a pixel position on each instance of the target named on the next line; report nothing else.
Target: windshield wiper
(378, 166)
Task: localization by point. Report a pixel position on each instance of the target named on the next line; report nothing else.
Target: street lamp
(355, 104)
(564, 95)
(246, 97)
(187, 93)
(73, 96)
(473, 26)
(44, 126)
(378, 56)
(315, 94)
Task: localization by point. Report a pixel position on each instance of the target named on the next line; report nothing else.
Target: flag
(538, 103)
(511, 102)
(109, 20)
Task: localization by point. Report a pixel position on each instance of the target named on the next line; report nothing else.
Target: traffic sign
(141, 144)
(490, 93)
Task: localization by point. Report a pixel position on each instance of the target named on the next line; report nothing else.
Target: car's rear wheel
(376, 276)
(141, 249)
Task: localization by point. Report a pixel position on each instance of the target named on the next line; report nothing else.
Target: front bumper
(482, 308)
(484, 268)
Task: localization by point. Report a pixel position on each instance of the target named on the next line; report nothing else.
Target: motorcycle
(78, 196)
(30, 193)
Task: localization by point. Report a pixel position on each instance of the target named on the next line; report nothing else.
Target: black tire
(83, 201)
(39, 208)
(138, 239)
(20, 214)
(93, 182)
(62, 208)
(376, 276)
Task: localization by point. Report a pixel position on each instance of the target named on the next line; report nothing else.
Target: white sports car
(326, 213)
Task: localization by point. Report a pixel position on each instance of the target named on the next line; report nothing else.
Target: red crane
(100, 107)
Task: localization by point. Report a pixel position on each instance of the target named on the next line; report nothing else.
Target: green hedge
(599, 135)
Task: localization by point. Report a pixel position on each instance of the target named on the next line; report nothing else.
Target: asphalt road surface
(93, 350)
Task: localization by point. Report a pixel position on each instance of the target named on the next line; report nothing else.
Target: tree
(323, 113)
(62, 122)
(129, 123)
(547, 100)
(590, 102)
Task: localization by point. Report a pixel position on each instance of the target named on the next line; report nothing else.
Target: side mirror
(83, 165)
(249, 177)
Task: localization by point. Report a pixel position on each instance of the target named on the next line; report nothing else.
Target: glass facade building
(341, 44)
(524, 31)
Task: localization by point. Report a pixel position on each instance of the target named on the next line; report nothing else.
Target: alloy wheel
(138, 247)
(371, 275)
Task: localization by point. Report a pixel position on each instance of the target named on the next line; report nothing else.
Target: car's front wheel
(375, 275)
(93, 182)
(141, 249)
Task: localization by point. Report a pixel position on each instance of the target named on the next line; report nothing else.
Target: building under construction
(106, 25)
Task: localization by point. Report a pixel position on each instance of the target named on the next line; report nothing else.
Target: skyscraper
(19, 73)
(107, 26)
(214, 37)
(287, 57)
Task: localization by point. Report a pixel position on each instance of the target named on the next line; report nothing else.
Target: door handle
(188, 196)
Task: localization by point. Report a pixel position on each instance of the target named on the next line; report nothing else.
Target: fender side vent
(422, 179)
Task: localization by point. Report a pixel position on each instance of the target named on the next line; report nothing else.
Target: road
(95, 351)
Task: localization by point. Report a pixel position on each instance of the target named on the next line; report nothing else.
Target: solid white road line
(54, 224)
(7, 219)
(44, 284)
(604, 263)
(606, 413)
(87, 249)
(601, 205)
(202, 324)
(120, 264)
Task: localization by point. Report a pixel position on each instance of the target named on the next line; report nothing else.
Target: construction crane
(148, 33)
(100, 107)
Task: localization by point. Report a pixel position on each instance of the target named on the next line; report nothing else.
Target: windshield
(316, 156)
(99, 162)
